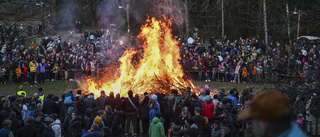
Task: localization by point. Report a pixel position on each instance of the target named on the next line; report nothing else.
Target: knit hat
(207, 98)
(71, 90)
(98, 120)
(267, 105)
(70, 110)
(50, 96)
(154, 97)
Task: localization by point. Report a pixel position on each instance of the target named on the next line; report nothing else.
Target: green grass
(60, 87)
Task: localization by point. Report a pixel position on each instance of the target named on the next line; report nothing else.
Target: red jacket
(208, 109)
(25, 70)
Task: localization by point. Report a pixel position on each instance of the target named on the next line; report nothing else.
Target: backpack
(28, 114)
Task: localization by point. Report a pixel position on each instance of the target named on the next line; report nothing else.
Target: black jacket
(128, 106)
(27, 131)
(4, 114)
(76, 128)
(49, 106)
(117, 127)
(48, 132)
(15, 107)
(39, 126)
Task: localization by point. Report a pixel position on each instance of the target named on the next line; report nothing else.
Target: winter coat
(193, 131)
(176, 131)
(90, 102)
(101, 102)
(69, 97)
(117, 127)
(56, 128)
(27, 131)
(39, 126)
(152, 114)
(75, 128)
(216, 132)
(92, 134)
(15, 126)
(15, 107)
(111, 101)
(156, 128)
(48, 106)
(66, 127)
(128, 106)
(5, 132)
(200, 122)
(81, 106)
(208, 109)
(48, 132)
(4, 114)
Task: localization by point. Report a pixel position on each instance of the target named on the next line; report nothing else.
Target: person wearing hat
(271, 115)
(48, 131)
(21, 92)
(191, 128)
(41, 95)
(208, 108)
(154, 98)
(55, 124)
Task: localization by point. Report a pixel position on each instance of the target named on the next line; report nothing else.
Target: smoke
(174, 9)
(66, 15)
(108, 12)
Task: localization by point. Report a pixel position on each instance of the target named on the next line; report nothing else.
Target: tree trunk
(222, 20)
(265, 22)
(186, 2)
(288, 23)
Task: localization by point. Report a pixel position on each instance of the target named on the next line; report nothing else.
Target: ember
(157, 70)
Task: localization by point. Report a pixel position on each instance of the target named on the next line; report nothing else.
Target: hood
(176, 127)
(57, 122)
(194, 126)
(155, 120)
(90, 96)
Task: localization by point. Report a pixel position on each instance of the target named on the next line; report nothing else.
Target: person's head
(12, 115)
(40, 89)
(105, 131)
(95, 127)
(102, 93)
(38, 117)
(39, 106)
(108, 108)
(185, 110)
(155, 105)
(216, 123)
(130, 93)
(7, 123)
(30, 120)
(35, 95)
(154, 97)
(158, 115)
(74, 115)
(102, 113)
(197, 110)
(117, 108)
(207, 99)
(270, 112)
(53, 117)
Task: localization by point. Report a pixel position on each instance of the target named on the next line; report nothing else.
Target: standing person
(131, 108)
(32, 67)
(143, 112)
(48, 131)
(42, 71)
(28, 130)
(41, 95)
(38, 124)
(237, 73)
(156, 127)
(55, 124)
(232, 96)
(208, 108)
(75, 124)
(19, 74)
(102, 100)
(116, 126)
(5, 131)
(199, 120)
(153, 111)
(271, 115)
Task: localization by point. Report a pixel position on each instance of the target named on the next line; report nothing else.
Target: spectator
(49, 105)
(55, 124)
(41, 71)
(75, 125)
(208, 108)
(5, 131)
(48, 131)
(93, 132)
(199, 120)
(131, 109)
(102, 99)
(156, 127)
(28, 130)
(38, 124)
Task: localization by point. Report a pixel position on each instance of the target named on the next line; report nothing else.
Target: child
(153, 111)
(18, 74)
(55, 70)
(244, 74)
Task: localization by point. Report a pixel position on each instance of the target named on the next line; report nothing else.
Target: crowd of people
(248, 60)
(175, 114)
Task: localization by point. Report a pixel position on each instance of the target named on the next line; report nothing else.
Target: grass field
(59, 87)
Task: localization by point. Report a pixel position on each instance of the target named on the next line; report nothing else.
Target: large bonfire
(158, 69)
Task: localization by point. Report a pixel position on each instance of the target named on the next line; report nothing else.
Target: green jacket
(156, 128)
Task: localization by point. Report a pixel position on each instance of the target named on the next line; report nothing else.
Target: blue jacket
(92, 134)
(48, 132)
(152, 114)
(293, 131)
(4, 132)
(42, 68)
(234, 100)
(69, 98)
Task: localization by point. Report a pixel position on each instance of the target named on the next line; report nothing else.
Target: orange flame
(158, 70)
